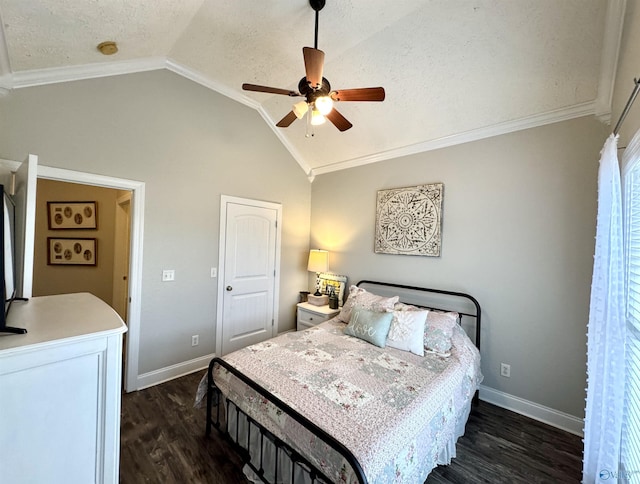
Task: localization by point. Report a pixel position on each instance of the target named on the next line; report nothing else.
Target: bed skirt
(446, 454)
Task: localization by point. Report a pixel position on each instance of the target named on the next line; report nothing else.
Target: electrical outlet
(505, 370)
(195, 340)
(168, 275)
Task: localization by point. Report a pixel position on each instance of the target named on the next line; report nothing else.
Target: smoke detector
(108, 47)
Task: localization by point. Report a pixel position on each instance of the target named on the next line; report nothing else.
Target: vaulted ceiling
(453, 70)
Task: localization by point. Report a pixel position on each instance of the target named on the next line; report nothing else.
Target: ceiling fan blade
(360, 94)
(270, 90)
(338, 120)
(313, 64)
(287, 120)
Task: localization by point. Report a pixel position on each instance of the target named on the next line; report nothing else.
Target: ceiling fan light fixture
(324, 104)
(316, 117)
(316, 89)
(300, 109)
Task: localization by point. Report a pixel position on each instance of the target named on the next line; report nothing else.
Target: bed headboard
(437, 299)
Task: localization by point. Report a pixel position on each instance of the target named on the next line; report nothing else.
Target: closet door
(250, 250)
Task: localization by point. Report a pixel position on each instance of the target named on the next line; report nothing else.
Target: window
(630, 448)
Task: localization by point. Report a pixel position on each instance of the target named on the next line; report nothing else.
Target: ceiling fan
(319, 98)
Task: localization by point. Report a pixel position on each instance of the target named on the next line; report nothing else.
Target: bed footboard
(297, 468)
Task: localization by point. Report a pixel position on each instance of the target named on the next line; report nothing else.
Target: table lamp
(318, 262)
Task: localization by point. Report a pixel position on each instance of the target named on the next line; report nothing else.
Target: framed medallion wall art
(72, 215)
(409, 220)
(71, 251)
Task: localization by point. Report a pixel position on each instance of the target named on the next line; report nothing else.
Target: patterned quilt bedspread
(394, 410)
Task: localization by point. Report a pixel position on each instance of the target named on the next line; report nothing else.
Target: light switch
(214, 272)
(168, 275)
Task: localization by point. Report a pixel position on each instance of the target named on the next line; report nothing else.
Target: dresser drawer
(308, 315)
(301, 326)
(311, 319)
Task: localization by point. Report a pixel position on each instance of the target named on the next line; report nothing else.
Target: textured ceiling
(453, 70)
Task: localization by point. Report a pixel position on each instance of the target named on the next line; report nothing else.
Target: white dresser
(60, 391)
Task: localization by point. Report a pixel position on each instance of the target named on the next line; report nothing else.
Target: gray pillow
(371, 326)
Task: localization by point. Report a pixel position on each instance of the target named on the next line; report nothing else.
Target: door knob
(229, 288)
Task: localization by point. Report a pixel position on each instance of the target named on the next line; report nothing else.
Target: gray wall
(189, 145)
(518, 234)
(519, 215)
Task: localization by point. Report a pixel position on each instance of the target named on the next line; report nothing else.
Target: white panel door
(25, 197)
(249, 275)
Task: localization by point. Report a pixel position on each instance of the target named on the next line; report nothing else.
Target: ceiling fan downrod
(317, 5)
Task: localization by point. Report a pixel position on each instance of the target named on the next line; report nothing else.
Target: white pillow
(361, 298)
(437, 330)
(407, 331)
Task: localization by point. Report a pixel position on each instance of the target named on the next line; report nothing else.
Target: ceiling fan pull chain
(310, 132)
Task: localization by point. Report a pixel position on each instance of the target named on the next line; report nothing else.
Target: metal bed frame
(467, 307)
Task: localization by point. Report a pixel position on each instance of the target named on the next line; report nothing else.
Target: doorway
(122, 242)
(249, 262)
(108, 237)
(134, 280)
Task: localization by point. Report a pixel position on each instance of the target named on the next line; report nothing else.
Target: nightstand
(309, 315)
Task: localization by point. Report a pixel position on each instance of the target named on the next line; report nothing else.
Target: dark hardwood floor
(163, 442)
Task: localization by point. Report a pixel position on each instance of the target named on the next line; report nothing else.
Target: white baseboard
(167, 373)
(550, 416)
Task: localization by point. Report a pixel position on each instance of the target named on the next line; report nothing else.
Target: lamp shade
(316, 117)
(324, 104)
(300, 109)
(318, 260)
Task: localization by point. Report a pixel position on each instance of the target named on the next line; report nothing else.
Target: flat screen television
(7, 260)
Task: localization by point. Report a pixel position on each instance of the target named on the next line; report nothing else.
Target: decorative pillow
(406, 307)
(367, 300)
(438, 332)
(371, 326)
(407, 331)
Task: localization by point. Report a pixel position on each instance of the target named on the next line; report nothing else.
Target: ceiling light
(316, 117)
(324, 104)
(300, 109)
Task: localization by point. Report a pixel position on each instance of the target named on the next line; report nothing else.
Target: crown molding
(203, 80)
(54, 75)
(601, 107)
(66, 74)
(555, 116)
(612, 39)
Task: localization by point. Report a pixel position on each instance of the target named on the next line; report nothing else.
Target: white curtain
(606, 334)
